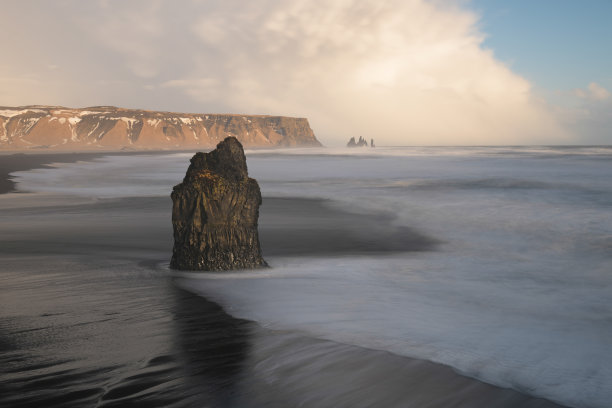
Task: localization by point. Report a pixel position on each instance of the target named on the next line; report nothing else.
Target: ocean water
(495, 262)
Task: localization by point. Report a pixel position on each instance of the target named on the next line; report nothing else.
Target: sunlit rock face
(215, 212)
(109, 127)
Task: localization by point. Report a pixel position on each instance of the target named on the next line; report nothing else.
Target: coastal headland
(39, 127)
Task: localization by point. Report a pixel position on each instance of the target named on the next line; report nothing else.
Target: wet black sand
(22, 161)
(11, 162)
(91, 316)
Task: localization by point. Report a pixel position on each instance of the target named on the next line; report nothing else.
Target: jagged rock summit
(360, 143)
(215, 213)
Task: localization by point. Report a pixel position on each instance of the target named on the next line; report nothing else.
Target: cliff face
(215, 212)
(107, 127)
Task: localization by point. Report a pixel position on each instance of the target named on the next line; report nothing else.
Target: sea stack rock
(360, 143)
(215, 212)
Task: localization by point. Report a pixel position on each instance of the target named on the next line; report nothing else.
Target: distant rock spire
(360, 143)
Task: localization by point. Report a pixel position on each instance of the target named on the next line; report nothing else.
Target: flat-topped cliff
(108, 127)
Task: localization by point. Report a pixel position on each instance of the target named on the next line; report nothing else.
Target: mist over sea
(494, 263)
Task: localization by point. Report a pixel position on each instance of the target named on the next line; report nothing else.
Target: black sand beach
(10, 162)
(90, 315)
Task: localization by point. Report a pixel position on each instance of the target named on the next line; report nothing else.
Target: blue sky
(564, 49)
(556, 44)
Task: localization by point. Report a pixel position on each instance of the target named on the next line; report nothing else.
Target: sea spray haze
(512, 287)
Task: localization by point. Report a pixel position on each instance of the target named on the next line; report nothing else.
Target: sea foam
(518, 293)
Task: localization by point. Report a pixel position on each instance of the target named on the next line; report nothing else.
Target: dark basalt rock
(215, 212)
(360, 143)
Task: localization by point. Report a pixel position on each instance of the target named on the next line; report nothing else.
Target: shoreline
(21, 161)
(15, 160)
(293, 353)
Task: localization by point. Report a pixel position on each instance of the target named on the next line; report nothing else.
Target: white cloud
(598, 92)
(200, 89)
(404, 72)
(132, 29)
(588, 113)
(19, 89)
(593, 91)
(398, 71)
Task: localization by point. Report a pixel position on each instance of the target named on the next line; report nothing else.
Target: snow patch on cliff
(129, 121)
(4, 136)
(28, 124)
(9, 113)
(85, 113)
(73, 121)
(61, 112)
(93, 130)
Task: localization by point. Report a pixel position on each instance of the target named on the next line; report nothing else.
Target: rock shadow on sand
(303, 227)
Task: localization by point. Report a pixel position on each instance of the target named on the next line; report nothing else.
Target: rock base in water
(215, 212)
